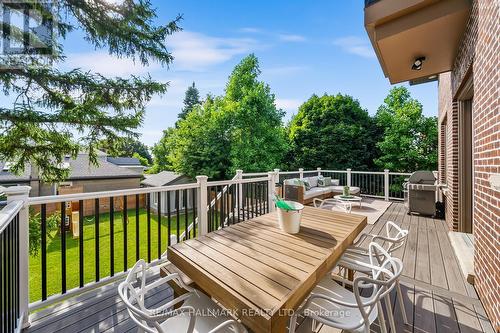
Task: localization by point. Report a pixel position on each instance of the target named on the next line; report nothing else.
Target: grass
(72, 250)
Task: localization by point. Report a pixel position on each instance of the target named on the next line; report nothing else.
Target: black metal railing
(234, 203)
(396, 190)
(9, 276)
(371, 184)
(85, 241)
(341, 176)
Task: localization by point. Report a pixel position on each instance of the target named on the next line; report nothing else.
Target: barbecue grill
(420, 193)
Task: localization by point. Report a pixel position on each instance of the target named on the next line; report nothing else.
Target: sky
(304, 47)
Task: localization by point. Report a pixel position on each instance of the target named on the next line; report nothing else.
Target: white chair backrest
(384, 275)
(132, 291)
(395, 239)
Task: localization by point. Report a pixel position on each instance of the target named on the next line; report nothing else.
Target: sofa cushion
(314, 192)
(306, 183)
(335, 182)
(324, 181)
(340, 189)
(313, 181)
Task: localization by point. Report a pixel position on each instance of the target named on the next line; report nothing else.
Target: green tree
(256, 133)
(410, 139)
(57, 112)
(161, 151)
(332, 132)
(241, 129)
(127, 147)
(191, 99)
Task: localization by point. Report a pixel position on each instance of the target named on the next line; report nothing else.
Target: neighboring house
(457, 43)
(83, 177)
(131, 163)
(176, 198)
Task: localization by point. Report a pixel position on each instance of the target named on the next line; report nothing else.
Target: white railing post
(15, 193)
(271, 189)
(386, 184)
(301, 173)
(319, 171)
(202, 204)
(239, 176)
(348, 177)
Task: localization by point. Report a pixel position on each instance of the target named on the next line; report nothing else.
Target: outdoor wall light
(417, 64)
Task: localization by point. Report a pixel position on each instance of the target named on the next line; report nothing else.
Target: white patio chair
(322, 203)
(357, 258)
(333, 305)
(196, 314)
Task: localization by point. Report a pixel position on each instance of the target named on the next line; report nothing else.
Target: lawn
(72, 250)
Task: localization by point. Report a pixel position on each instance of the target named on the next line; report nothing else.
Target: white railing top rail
(288, 172)
(8, 213)
(237, 181)
(368, 172)
(107, 194)
(254, 174)
(400, 173)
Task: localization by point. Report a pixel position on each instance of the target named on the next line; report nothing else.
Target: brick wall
(479, 54)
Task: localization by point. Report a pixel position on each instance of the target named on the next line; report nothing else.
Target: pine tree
(57, 112)
(191, 99)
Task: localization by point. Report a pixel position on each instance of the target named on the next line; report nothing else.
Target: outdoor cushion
(307, 185)
(335, 182)
(325, 181)
(340, 189)
(294, 182)
(313, 181)
(314, 192)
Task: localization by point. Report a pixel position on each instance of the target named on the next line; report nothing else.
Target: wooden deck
(437, 296)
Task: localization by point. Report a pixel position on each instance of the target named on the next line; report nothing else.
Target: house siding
(479, 55)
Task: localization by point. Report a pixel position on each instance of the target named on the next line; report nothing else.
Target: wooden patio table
(261, 273)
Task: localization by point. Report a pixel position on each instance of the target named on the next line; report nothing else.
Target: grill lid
(422, 177)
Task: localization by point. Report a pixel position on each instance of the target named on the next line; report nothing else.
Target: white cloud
(107, 65)
(288, 104)
(355, 45)
(251, 30)
(291, 38)
(196, 51)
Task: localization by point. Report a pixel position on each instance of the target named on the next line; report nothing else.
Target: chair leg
(400, 301)
(390, 316)
(293, 323)
(381, 319)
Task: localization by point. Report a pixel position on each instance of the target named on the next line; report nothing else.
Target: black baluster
(194, 211)
(97, 273)
(169, 218)
(186, 220)
(63, 247)
(222, 210)
(137, 230)
(177, 213)
(159, 225)
(80, 242)
(112, 236)
(148, 217)
(125, 225)
(43, 220)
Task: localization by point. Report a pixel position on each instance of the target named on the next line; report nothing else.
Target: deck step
(463, 246)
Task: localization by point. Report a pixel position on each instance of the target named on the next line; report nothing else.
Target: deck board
(438, 301)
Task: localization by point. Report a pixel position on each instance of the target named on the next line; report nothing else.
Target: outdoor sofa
(306, 189)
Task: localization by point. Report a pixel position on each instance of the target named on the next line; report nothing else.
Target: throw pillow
(327, 181)
(313, 181)
(307, 185)
(335, 182)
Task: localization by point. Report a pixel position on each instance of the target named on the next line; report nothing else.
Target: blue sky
(304, 47)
